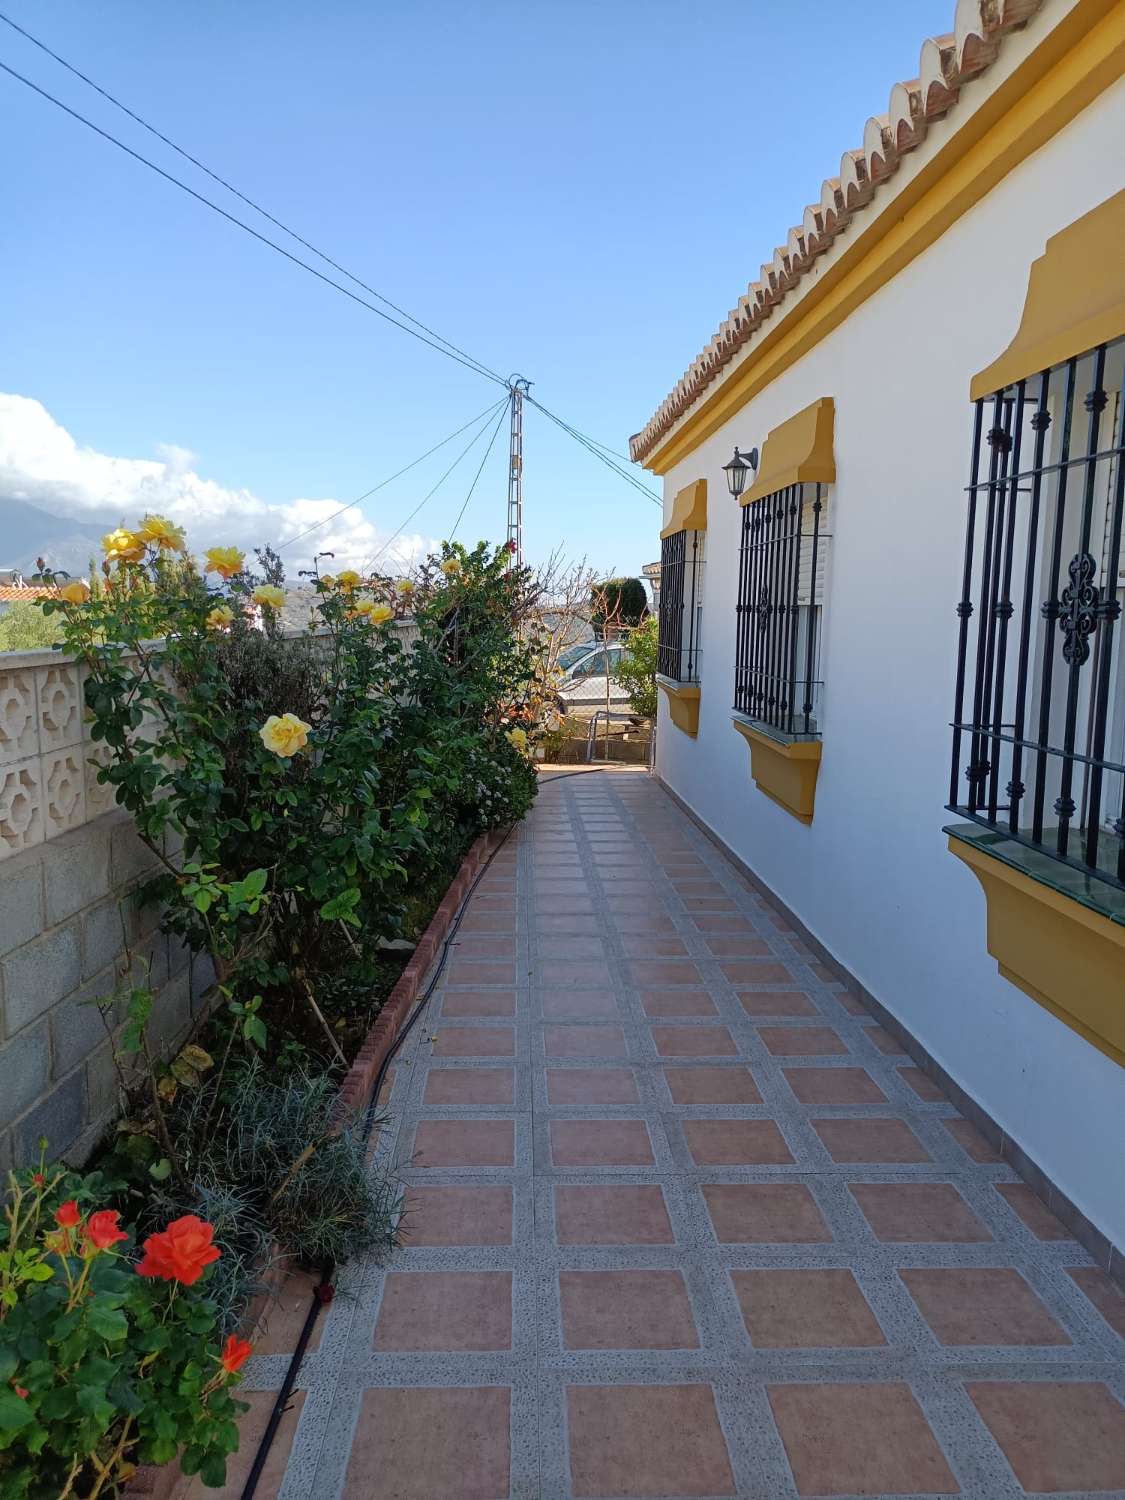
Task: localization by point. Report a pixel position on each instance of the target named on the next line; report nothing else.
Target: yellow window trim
(1076, 61)
(683, 704)
(1075, 299)
(689, 509)
(786, 773)
(799, 451)
(1066, 957)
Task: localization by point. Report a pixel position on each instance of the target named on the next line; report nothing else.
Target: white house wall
(871, 877)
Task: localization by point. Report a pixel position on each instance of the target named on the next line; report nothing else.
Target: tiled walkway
(683, 1221)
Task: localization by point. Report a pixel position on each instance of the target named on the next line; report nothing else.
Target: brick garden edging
(156, 1482)
(360, 1078)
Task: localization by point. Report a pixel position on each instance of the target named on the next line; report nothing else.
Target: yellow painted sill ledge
(1056, 946)
(683, 703)
(784, 770)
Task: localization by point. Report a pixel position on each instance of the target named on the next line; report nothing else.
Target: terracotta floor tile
(446, 1087)
(579, 1005)
(777, 1003)
(471, 1004)
(971, 1141)
(852, 1004)
(747, 971)
(1104, 1293)
(612, 1216)
(646, 1441)
(678, 1003)
(709, 903)
(1057, 1435)
(468, 971)
(252, 1429)
(781, 1213)
(722, 921)
(639, 921)
(981, 1307)
(419, 1443)
(834, 1086)
(918, 1212)
(922, 1084)
(484, 945)
(488, 921)
(455, 1311)
(806, 1310)
(464, 1143)
(859, 1439)
(548, 885)
(600, 1143)
(870, 1141)
(653, 945)
(712, 1086)
(883, 1041)
(584, 1041)
(548, 908)
(279, 1326)
(458, 1216)
(654, 972)
(738, 945)
(694, 1041)
(557, 973)
(803, 1041)
(1023, 1201)
(591, 1086)
(736, 1143)
(475, 1041)
(567, 922)
(626, 1310)
(572, 945)
(693, 882)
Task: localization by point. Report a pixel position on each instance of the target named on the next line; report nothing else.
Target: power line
(468, 363)
(432, 492)
(480, 470)
(392, 477)
(594, 448)
(230, 188)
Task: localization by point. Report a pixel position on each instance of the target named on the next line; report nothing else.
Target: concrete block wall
(68, 911)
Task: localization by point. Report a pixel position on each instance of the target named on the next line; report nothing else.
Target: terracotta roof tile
(11, 595)
(946, 63)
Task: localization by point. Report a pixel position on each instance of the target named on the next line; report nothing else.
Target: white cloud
(40, 463)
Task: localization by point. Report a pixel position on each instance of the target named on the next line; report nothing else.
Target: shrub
(618, 601)
(106, 1362)
(23, 627)
(638, 667)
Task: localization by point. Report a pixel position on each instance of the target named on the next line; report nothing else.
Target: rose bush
(105, 1363)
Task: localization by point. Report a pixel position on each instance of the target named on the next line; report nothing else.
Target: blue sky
(577, 191)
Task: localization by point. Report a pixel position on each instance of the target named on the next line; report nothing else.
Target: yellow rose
(226, 561)
(349, 579)
(327, 580)
(450, 566)
(267, 594)
(404, 586)
(77, 591)
(378, 614)
(123, 546)
(162, 533)
(220, 617)
(518, 738)
(285, 735)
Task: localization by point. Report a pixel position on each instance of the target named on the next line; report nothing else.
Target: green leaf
(108, 1323)
(160, 1170)
(254, 1030)
(255, 883)
(8, 1363)
(213, 1471)
(203, 901)
(16, 1413)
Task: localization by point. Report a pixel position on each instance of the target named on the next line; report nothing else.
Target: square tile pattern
(682, 1220)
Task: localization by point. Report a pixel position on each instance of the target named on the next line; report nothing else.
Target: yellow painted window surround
(798, 451)
(689, 509)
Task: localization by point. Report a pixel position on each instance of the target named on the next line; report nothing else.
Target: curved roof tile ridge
(946, 62)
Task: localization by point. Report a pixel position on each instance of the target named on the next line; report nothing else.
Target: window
(681, 605)
(1039, 718)
(780, 585)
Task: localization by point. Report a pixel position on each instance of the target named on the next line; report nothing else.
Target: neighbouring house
(651, 574)
(901, 701)
(18, 593)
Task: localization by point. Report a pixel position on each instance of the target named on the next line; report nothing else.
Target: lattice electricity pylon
(518, 386)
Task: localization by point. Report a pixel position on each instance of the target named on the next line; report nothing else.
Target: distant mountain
(26, 532)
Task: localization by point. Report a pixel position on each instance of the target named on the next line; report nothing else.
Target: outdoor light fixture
(737, 470)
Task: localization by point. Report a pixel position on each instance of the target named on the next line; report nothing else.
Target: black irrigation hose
(324, 1291)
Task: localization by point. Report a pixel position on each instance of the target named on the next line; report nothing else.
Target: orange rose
(182, 1252)
(235, 1353)
(103, 1229)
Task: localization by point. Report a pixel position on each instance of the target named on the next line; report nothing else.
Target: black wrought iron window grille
(778, 618)
(682, 561)
(1039, 718)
